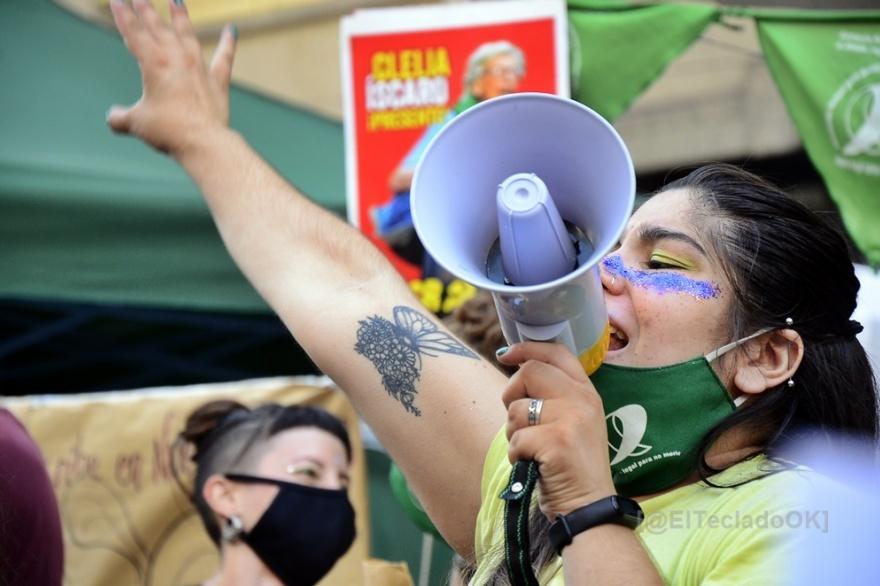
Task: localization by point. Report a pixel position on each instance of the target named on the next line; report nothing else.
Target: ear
(768, 361)
(220, 494)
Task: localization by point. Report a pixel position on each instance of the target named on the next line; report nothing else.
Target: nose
(611, 281)
(331, 483)
(333, 480)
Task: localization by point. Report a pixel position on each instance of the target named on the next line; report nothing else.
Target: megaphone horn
(523, 195)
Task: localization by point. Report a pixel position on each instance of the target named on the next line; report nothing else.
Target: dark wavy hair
(227, 437)
(782, 261)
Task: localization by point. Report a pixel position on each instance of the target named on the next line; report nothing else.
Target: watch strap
(614, 509)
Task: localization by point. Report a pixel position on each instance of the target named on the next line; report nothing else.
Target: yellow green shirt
(696, 534)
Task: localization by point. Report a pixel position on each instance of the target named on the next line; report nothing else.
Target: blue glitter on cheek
(613, 264)
(662, 282)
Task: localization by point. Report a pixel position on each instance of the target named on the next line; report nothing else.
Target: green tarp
(89, 216)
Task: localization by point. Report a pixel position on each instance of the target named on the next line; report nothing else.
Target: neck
(240, 566)
(731, 448)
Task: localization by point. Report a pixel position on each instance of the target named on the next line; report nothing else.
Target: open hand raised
(183, 101)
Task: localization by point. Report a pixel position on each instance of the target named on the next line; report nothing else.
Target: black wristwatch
(615, 509)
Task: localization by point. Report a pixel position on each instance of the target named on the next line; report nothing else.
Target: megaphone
(523, 195)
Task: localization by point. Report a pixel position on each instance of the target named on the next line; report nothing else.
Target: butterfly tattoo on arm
(396, 350)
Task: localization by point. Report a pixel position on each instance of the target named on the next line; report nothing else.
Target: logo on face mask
(630, 423)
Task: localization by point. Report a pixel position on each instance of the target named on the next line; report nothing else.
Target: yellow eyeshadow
(665, 257)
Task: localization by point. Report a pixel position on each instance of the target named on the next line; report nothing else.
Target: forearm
(325, 280)
(608, 555)
(294, 252)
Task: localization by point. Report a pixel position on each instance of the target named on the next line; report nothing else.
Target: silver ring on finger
(535, 406)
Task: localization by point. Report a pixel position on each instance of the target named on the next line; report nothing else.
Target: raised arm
(433, 403)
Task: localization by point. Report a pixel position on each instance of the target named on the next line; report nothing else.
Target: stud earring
(232, 529)
(790, 382)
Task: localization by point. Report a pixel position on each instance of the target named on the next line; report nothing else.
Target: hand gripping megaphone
(523, 195)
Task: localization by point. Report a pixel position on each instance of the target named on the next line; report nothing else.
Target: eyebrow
(317, 463)
(309, 460)
(655, 233)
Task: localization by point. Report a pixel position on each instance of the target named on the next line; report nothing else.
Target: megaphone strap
(518, 497)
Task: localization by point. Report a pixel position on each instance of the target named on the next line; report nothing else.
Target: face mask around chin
(303, 532)
(657, 417)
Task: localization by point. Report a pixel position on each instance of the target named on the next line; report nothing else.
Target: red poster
(407, 72)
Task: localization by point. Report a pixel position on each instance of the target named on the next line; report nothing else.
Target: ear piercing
(789, 322)
(232, 529)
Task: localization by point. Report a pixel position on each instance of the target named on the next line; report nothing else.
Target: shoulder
(761, 483)
(488, 535)
(20, 457)
(740, 525)
(31, 545)
(496, 472)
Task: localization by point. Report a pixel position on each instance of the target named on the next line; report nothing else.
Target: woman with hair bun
(270, 487)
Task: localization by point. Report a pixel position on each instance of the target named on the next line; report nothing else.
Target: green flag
(618, 50)
(829, 75)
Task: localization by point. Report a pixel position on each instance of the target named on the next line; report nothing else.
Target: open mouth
(618, 339)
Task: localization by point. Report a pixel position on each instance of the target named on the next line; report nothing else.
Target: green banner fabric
(617, 51)
(829, 76)
(89, 216)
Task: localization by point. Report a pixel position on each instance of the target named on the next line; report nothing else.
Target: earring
(789, 322)
(232, 529)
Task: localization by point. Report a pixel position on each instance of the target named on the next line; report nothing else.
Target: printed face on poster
(407, 72)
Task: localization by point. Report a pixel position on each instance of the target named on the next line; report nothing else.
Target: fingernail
(234, 30)
(178, 2)
(501, 351)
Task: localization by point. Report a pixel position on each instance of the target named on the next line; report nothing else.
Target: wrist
(566, 507)
(203, 144)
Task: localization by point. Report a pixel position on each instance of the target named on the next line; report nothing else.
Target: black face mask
(303, 532)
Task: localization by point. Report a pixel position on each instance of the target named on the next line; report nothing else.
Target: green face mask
(657, 417)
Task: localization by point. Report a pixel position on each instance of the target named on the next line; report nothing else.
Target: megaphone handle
(518, 497)
(559, 332)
